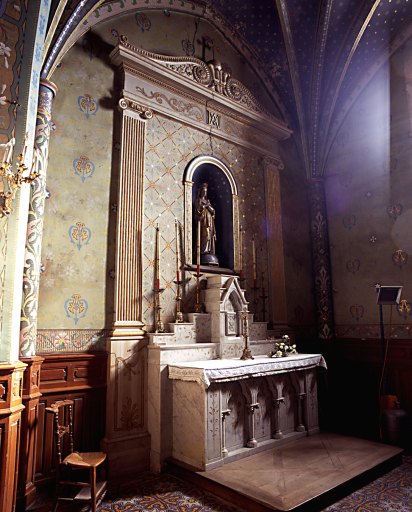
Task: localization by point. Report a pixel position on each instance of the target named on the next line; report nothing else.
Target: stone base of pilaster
(127, 441)
(127, 456)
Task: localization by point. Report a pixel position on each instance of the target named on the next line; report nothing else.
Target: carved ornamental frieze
(212, 76)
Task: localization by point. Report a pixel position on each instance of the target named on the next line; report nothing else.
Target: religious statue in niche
(206, 230)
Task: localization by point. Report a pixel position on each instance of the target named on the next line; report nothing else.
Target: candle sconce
(11, 181)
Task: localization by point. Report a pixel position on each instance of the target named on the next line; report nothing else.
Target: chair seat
(85, 459)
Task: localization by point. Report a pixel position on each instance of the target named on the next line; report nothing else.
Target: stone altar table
(228, 409)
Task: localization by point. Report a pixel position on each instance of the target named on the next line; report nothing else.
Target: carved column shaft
(252, 443)
(128, 279)
(225, 413)
(277, 288)
(278, 432)
(301, 404)
(321, 260)
(31, 274)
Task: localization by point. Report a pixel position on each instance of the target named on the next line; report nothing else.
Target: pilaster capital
(143, 111)
(271, 163)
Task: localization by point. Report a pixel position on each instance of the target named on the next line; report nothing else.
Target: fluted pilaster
(128, 280)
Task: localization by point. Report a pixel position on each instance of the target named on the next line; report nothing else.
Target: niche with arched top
(222, 193)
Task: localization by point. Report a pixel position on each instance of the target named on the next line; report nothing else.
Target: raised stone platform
(304, 475)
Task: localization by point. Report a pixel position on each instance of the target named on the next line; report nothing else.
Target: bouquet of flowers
(283, 348)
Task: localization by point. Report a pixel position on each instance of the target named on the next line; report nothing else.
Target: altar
(227, 409)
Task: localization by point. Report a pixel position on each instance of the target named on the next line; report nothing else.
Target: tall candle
(241, 252)
(254, 261)
(157, 273)
(177, 251)
(198, 248)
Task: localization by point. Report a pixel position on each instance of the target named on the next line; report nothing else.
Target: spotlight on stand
(387, 296)
(391, 417)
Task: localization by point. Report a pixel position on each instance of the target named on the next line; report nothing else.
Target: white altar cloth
(222, 370)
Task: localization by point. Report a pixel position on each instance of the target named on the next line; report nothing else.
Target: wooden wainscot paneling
(82, 378)
(26, 491)
(11, 378)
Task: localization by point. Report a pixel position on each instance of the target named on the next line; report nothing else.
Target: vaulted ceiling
(317, 54)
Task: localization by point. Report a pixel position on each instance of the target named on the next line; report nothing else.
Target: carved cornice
(128, 104)
(211, 76)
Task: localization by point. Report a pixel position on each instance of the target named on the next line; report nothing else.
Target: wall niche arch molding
(223, 194)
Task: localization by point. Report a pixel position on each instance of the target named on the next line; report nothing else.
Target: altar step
(305, 475)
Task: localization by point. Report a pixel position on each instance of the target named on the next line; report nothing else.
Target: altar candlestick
(177, 251)
(157, 258)
(198, 248)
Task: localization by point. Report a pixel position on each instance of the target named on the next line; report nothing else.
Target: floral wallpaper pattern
(368, 183)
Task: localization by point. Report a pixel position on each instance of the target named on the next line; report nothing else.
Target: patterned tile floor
(165, 493)
(389, 493)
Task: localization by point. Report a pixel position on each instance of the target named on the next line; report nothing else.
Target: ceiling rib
(294, 74)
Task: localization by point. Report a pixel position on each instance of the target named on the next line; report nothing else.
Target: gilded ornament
(400, 258)
(404, 308)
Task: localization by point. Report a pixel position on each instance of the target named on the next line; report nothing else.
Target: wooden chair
(68, 486)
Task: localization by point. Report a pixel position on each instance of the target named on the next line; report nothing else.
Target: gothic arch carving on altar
(216, 173)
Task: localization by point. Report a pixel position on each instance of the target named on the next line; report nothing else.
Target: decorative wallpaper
(75, 264)
(368, 186)
(170, 146)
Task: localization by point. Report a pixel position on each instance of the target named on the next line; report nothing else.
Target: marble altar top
(221, 370)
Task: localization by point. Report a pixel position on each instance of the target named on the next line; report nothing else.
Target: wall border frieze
(71, 340)
(372, 331)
